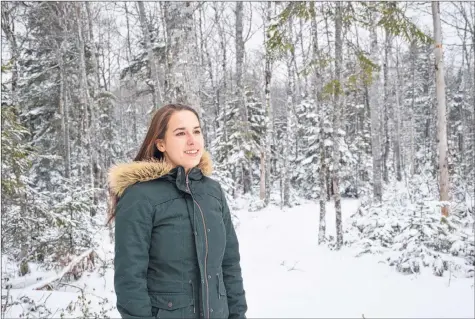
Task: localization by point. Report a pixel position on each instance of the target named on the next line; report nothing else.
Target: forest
(299, 101)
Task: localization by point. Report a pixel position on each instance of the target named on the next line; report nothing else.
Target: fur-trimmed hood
(124, 175)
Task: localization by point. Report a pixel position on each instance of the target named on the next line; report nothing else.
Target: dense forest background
(299, 101)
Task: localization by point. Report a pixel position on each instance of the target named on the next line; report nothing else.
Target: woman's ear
(160, 145)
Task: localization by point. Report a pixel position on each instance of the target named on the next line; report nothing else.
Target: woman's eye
(180, 133)
(197, 132)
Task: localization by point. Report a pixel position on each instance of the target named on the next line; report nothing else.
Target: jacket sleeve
(133, 228)
(232, 275)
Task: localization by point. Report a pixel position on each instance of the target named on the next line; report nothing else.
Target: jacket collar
(123, 175)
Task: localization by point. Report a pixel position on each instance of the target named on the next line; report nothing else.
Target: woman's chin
(190, 163)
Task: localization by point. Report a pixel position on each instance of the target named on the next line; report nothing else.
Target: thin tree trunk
(441, 110)
(200, 42)
(129, 60)
(211, 76)
(337, 124)
(222, 43)
(287, 127)
(374, 98)
(397, 121)
(321, 139)
(240, 95)
(98, 165)
(85, 102)
(93, 48)
(412, 155)
(153, 79)
(63, 114)
(266, 150)
(305, 88)
(387, 50)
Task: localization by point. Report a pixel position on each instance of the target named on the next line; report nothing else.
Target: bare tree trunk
(95, 65)
(266, 150)
(182, 82)
(153, 79)
(301, 37)
(321, 139)
(201, 75)
(222, 93)
(211, 76)
(386, 105)
(129, 59)
(441, 110)
(287, 127)
(412, 155)
(98, 165)
(337, 124)
(328, 174)
(240, 94)
(63, 114)
(85, 101)
(397, 121)
(374, 99)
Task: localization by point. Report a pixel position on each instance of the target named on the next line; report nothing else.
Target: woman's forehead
(183, 119)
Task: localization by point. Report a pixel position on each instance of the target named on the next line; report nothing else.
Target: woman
(176, 251)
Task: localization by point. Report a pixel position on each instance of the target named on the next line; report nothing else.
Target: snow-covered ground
(286, 275)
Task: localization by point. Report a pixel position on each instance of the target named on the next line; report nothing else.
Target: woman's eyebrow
(184, 128)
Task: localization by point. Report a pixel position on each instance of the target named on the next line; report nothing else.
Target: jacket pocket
(221, 305)
(172, 305)
(221, 288)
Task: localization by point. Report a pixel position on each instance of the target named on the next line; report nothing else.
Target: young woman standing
(176, 251)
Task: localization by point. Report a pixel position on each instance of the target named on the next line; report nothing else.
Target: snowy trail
(287, 275)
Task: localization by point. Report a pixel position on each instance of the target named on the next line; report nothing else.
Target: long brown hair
(149, 151)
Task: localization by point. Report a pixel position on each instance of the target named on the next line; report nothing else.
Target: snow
(286, 275)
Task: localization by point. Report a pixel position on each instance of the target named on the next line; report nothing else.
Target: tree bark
(287, 127)
(240, 96)
(266, 150)
(182, 80)
(386, 105)
(153, 79)
(337, 124)
(397, 121)
(85, 102)
(222, 90)
(441, 109)
(322, 168)
(374, 99)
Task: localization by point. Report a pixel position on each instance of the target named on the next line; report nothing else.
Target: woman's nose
(191, 139)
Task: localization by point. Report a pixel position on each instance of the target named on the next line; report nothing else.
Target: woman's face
(183, 142)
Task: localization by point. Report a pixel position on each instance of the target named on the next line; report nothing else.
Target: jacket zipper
(206, 246)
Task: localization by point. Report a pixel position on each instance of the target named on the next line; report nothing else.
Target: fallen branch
(44, 283)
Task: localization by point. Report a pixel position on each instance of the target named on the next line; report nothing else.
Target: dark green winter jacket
(176, 251)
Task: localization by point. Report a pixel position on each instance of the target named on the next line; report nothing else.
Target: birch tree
(374, 103)
(337, 123)
(441, 110)
(266, 151)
